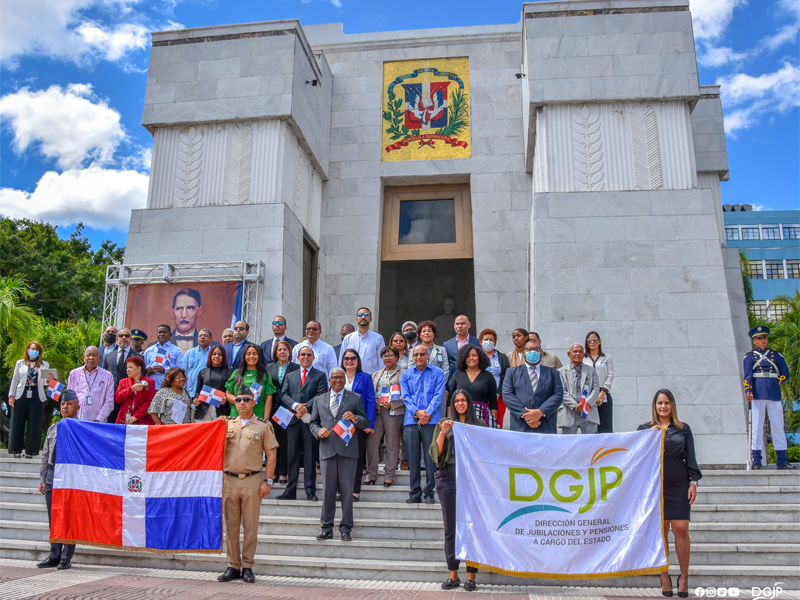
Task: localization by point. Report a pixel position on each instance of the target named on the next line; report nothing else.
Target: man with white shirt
(324, 356)
(195, 360)
(366, 342)
(174, 355)
(279, 333)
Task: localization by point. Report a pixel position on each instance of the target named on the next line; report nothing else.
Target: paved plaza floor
(21, 580)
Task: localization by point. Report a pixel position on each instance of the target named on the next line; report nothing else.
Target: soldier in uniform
(247, 440)
(764, 372)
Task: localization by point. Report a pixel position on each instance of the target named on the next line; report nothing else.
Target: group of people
(401, 399)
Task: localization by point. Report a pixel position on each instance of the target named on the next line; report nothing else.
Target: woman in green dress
(251, 370)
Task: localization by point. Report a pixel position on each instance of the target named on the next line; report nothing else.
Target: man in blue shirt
(421, 388)
(195, 360)
(155, 370)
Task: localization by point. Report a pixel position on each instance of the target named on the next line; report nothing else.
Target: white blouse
(605, 369)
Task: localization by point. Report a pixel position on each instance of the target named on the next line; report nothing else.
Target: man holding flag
(334, 418)
(578, 411)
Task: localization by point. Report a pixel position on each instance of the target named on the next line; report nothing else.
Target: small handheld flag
(211, 396)
(162, 357)
(390, 394)
(344, 429)
(55, 389)
(256, 389)
(585, 408)
(282, 416)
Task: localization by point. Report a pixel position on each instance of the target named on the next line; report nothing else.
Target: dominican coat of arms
(426, 109)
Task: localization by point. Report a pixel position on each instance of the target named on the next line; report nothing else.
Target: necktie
(335, 404)
(534, 379)
(304, 377)
(578, 380)
(121, 361)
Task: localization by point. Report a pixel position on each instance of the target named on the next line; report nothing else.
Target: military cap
(758, 331)
(138, 334)
(68, 395)
(245, 391)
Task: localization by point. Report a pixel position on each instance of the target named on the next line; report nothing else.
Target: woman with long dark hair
(280, 366)
(472, 375)
(679, 487)
(443, 452)
(604, 366)
(251, 370)
(215, 376)
(26, 397)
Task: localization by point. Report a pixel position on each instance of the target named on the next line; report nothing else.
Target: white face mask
(487, 345)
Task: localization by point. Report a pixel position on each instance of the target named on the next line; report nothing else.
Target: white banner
(559, 506)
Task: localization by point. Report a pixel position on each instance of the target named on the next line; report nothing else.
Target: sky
(73, 74)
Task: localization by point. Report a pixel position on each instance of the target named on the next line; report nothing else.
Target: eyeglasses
(279, 322)
(420, 354)
(593, 340)
(349, 358)
(240, 399)
(123, 335)
(336, 378)
(312, 328)
(362, 315)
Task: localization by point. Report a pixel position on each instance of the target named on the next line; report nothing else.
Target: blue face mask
(533, 357)
(34, 354)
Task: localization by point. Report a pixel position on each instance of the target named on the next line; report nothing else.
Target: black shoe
(338, 497)
(414, 501)
(756, 466)
(48, 563)
(229, 575)
(346, 536)
(430, 500)
(64, 564)
(325, 535)
(356, 498)
(786, 467)
(667, 593)
(450, 584)
(388, 483)
(368, 482)
(470, 586)
(247, 576)
(313, 498)
(285, 496)
(680, 593)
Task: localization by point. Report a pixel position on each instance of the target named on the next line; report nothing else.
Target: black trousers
(362, 459)
(59, 551)
(606, 413)
(26, 411)
(281, 466)
(299, 439)
(418, 439)
(446, 488)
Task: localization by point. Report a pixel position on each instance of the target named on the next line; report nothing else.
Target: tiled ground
(20, 580)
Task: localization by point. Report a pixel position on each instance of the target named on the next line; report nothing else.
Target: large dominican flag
(140, 488)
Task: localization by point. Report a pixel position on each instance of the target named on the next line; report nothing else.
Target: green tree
(66, 278)
(63, 342)
(785, 338)
(18, 323)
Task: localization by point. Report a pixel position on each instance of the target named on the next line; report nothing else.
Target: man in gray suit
(532, 393)
(337, 457)
(575, 377)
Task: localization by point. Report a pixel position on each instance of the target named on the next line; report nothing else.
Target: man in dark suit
(533, 393)
(235, 349)
(346, 330)
(337, 457)
(300, 387)
(462, 338)
(279, 331)
(114, 362)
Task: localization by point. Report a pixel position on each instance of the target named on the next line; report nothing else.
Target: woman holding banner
(252, 371)
(215, 376)
(135, 394)
(278, 369)
(681, 475)
(166, 409)
(443, 453)
(389, 415)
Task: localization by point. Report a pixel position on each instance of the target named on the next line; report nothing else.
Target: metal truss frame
(120, 277)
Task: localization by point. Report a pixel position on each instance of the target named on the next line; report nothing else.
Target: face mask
(110, 338)
(33, 354)
(410, 335)
(487, 345)
(533, 357)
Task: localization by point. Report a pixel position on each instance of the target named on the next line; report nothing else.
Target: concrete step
(743, 576)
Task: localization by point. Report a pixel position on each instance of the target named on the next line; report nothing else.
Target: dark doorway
(415, 290)
(309, 282)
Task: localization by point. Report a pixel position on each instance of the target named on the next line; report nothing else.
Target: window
(750, 233)
(774, 269)
(777, 310)
(770, 232)
(731, 233)
(791, 232)
(759, 308)
(427, 222)
(756, 269)
(793, 269)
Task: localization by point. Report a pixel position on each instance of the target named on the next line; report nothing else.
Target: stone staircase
(745, 532)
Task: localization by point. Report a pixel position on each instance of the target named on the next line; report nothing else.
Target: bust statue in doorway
(444, 322)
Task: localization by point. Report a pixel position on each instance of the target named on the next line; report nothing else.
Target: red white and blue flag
(344, 429)
(55, 389)
(283, 416)
(211, 396)
(256, 389)
(426, 104)
(585, 408)
(390, 394)
(140, 488)
(162, 357)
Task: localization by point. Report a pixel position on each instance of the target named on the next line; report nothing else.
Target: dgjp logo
(135, 484)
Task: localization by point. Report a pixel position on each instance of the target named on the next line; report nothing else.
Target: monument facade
(560, 174)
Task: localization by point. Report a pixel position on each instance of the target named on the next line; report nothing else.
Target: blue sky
(73, 75)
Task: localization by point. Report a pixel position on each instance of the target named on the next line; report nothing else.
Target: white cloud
(717, 56)
(100, 198)
(70, 126)
(59, 29)
(710, 18)
(747, 98)
(336, 3)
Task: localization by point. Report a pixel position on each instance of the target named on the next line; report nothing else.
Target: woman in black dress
(278, 369)
(680, 478)
(215, 375)
(472, 375)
